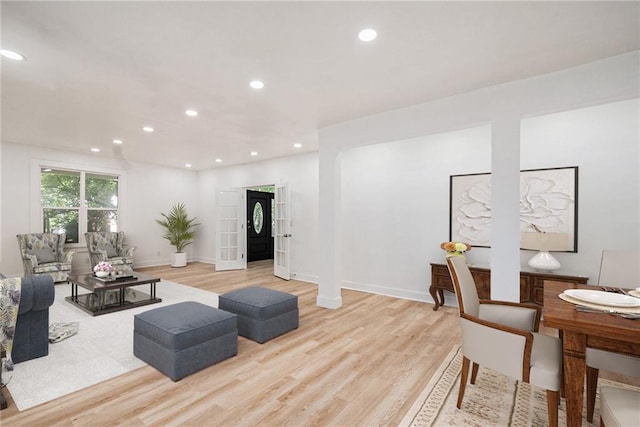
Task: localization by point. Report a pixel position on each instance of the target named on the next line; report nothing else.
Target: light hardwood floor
(363, 364)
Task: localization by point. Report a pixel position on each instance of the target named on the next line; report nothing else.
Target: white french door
(230, 232)
(282, 236)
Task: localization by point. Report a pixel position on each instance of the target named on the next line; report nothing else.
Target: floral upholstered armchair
(110, 247)
(43, 253)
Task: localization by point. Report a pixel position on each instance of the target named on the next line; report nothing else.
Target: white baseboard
(332, 303)
(303, 277)
(390, 292)
(205, 260)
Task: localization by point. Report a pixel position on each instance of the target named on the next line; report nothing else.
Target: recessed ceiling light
(12, 55)
(191, 113)
(297, 145)
(95, 150)
(218, 160)
(148, 129)
(256, 84)
(367, 35)
(117, 141)
(254, 153)
(187, 165)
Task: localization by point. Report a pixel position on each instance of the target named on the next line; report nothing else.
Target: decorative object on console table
(531, 283)
(545, 242)
(455, 248)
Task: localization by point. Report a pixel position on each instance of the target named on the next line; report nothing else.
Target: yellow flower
(455, 247)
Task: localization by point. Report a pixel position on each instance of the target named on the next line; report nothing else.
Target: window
(74, 202)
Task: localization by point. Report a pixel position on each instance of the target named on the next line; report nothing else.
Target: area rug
(102, 348)
(495, 400)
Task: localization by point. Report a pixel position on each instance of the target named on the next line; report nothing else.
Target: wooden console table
(531, 283)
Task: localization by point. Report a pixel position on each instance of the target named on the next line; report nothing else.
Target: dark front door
(259, 235)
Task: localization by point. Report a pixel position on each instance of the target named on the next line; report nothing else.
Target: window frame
(36, 212)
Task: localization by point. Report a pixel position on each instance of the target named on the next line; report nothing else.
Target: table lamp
(545, 242)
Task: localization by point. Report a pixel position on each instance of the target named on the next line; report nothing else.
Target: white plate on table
(603, 298)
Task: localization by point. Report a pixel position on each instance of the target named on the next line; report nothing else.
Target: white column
(330, 183)
(505, 208)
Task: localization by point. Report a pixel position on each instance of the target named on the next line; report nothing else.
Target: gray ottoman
(263, 313)
(183, 338)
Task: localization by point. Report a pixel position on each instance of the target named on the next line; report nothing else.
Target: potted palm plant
(179, 231)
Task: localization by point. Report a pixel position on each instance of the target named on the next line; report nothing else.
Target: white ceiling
(102, 70)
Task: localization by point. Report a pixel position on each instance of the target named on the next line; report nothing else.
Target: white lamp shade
(545, 242)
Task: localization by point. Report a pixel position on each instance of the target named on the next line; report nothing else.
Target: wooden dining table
(580, 330)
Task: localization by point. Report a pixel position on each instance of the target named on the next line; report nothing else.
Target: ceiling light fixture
(187, 165)
(218, 160)
(297, 145)
(254, 153)
(95, 150)
(148, 129)
(117, 141)
(367, 35)
(191, 113)
(256, 84)
(12, 55)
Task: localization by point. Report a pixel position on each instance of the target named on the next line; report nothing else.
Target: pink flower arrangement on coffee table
(103, 266)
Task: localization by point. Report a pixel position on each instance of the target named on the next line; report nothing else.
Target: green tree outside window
(62, 202)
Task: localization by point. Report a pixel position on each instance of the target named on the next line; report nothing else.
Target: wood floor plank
(360, 365)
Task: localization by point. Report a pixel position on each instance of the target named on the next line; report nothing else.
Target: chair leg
(463, 380)
(553, 400)
(474, 372)
(592, 387)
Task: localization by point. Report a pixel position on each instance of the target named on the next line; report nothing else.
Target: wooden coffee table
(111, 295)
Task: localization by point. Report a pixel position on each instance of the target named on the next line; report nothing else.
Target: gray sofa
(31, 337)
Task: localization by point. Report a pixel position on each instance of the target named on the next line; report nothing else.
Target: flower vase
(102, 273)
(452, 254)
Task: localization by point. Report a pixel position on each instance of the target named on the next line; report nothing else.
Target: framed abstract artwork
(548, 204)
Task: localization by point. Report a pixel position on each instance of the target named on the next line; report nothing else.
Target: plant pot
(178, 259)
(102, 273)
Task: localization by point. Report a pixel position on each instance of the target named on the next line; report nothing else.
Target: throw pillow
(111, 251)
(43, 255)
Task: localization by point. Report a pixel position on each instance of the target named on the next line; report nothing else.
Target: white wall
(598, 83)
(300, 172)
(149, 191)
(152, 191)
(395, 204)
(395, 196)
(604, 142)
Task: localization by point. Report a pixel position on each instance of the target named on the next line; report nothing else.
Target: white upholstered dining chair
(619, 407)
(502, 336)
(618, 269)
